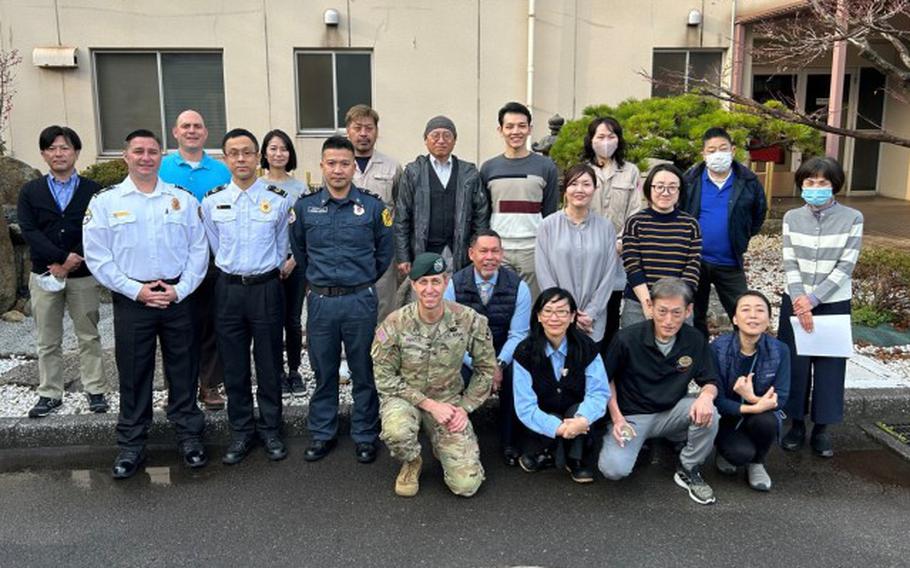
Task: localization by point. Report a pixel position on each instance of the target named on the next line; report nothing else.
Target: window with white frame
(675, 71)
(148, 89)
(328, 84)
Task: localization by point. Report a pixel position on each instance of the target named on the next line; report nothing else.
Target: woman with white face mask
(821, 246)
(617, 197)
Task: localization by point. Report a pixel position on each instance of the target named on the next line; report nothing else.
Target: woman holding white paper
(821, 246)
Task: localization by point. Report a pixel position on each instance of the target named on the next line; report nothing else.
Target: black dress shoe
(366, 453)
(127, 463)
(821, 445)
(795, 438)
(193, 453)
(532, 463)
(580, 473)
(236, 451)
(275, 449)
(318, 449)
(510, 455)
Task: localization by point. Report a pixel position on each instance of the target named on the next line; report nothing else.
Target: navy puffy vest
(499, 309)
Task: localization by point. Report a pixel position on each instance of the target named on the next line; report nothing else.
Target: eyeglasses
(678, 313)
(561, 313)
(444, 135)
(235, 154)
(671, 189)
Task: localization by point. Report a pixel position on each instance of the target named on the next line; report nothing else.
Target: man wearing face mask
(729, 203)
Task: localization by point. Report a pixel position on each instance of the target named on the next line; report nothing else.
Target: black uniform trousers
(245, 314)
(211, 370)
(294, 294)
(729, 282)
(584, 448)
(816, 383)
(137, 330)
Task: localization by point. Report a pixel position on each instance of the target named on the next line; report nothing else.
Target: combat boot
(407, 484)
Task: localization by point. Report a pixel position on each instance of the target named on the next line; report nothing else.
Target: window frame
(689, 51)
(324, 132)
(215, 150)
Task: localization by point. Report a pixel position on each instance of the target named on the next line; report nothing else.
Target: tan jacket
(380, 177)
(618, 195)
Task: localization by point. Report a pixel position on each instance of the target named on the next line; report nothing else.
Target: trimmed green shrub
(881, 291)
(106, 173)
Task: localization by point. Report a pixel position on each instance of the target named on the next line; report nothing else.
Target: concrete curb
(861, 406)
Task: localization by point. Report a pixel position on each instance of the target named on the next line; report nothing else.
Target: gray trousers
(616, 462)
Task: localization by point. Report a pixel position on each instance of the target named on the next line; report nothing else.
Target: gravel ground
(17, 341)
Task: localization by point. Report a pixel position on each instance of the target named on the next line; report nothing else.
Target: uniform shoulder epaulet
(277, 190)
(310, 193)
(370, 193)
(183, 188)
(108, 188)
(216, 190)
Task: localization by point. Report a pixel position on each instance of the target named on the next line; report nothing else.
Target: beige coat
(617, 197)
(380, 177)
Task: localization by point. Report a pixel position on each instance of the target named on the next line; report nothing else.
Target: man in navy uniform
(247, 225)
(342, 240)
(144, 241)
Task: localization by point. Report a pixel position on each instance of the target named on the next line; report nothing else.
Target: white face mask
(719, 162)
(50, 283)
(605, 148)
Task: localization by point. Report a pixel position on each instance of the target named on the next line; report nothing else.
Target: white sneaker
(759, 479)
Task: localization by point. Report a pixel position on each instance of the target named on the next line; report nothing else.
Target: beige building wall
(894, 163)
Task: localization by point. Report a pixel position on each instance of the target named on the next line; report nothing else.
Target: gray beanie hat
(440, 122)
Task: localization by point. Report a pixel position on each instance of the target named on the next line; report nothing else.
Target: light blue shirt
(520, 325)
(247, 229)
(209, 174)
(132, 237)
(63, 191)
(593, 407)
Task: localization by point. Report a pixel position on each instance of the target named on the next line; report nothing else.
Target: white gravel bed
(21, 338)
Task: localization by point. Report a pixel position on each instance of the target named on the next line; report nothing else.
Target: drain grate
(900, 431)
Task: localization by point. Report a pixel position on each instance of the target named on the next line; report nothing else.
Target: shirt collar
(436, 163)
(823, 210)
(563, 348)
(354, 195)
(203, 163)
(251, 192)
(709, 179)
(478, 279)
(127, 186)
(54, 180)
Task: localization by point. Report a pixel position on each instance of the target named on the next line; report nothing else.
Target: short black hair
(753, 294)
(337, 142)
(646, 187)
(238, 133)
(49, 134)
(828, 168)
(142, 133)
(484, 233)
(514, 107)
(292, 154)
(716, 132)
(619, 156)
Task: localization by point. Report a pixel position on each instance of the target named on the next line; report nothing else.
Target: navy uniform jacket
(342, 243)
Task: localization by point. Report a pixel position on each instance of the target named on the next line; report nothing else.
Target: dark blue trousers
(333, 321)
(816, 383)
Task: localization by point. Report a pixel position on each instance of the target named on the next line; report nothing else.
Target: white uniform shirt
(132, 237)
(247, 229)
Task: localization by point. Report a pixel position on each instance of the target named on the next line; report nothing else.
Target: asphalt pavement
(61, 508)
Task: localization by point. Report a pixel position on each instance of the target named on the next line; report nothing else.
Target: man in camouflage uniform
(417, 357)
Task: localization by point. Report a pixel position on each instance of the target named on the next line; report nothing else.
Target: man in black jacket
(729, 203)
(51, 211)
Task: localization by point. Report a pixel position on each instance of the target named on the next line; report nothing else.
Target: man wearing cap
(342, 240)
(441, 202)
(417, 357)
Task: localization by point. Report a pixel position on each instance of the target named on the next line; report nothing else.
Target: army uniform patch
(387, 217)
(291, 216)
(358, 209)
(88, 217)
(265, 207)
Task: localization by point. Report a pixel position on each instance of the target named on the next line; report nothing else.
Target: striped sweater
(522, 192)
(821, 250)
(659, 245)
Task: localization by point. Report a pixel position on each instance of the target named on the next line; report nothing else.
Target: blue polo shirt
(714, 219)
(210, 174)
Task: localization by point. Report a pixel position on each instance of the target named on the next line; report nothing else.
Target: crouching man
(650, 365)
(417, 357)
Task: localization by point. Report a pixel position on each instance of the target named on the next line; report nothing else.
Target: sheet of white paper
(832, 337)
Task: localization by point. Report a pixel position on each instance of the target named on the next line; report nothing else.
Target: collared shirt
(380, 176)
(132, 237)
(342, 242)
(247, 229)
(519, 325)
(209, 174)
(63, 190)
(443, 169)
(593, 407)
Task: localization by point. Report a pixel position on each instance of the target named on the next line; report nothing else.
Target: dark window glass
(194, 81)
(667, 70)
(316, 99)
(354, 82)
(871, 102)
(775, 88)
(127, 96)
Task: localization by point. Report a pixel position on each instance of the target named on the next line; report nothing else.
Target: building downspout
(532, 16)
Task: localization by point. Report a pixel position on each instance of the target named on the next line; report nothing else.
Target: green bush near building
(671, 128)
(106, 173)
(881, 290)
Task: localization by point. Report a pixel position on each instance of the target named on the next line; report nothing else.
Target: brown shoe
(407, 484)
(211, 398)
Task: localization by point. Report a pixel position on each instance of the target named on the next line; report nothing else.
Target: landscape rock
(13, 175)
(13, 316)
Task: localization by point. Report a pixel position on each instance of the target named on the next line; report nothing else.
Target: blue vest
(499, 309)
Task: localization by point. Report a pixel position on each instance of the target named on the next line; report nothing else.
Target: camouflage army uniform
(413, 361)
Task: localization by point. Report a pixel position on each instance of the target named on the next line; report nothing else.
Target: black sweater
(50, 234)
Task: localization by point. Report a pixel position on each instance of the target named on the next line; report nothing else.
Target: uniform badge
(438, 265)
(175, 204)
(684, 363)
(358, 209)
(312, 209)
(88, 217)
(265, 207)
(291, 216)
(120, 214)
(565, 372)
(387, 217)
